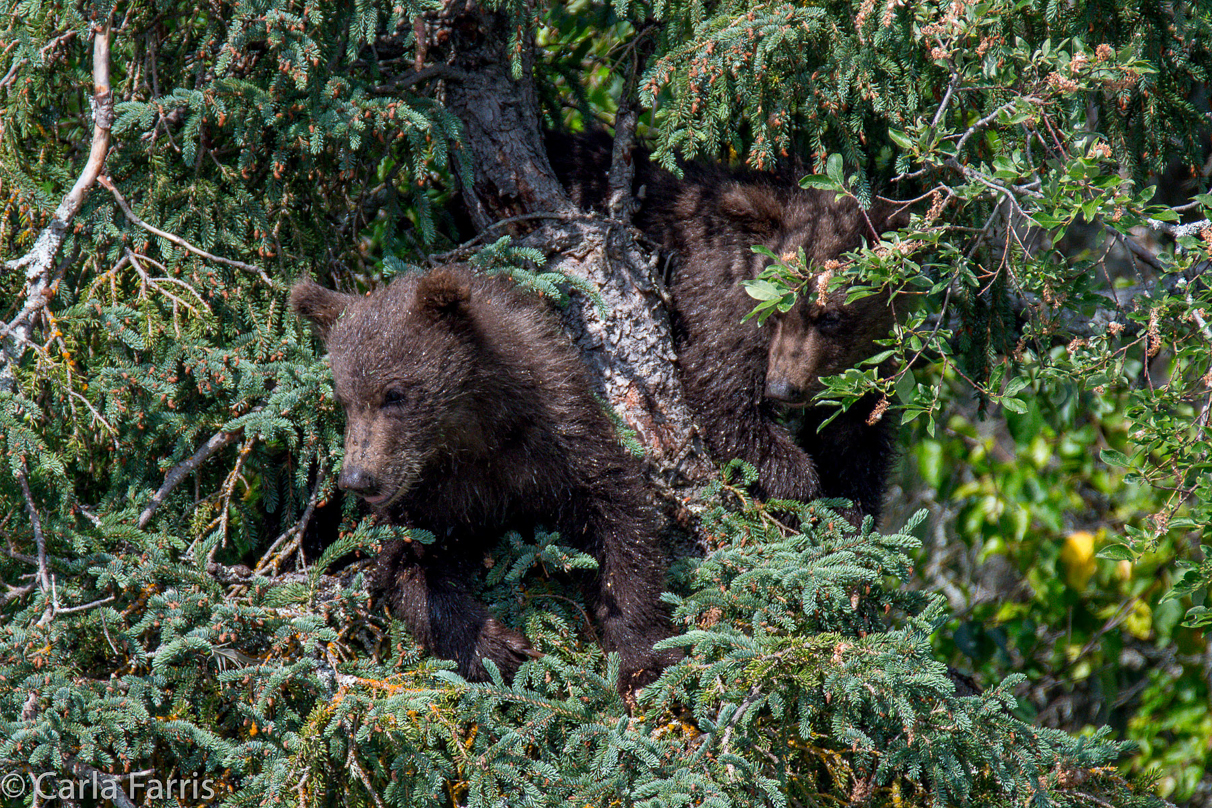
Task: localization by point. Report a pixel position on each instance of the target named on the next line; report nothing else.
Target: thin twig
(177, 474)
(988, 119)
(942, 107)
(564, 216)
(754, 693)
(44, 581)
(180, 242)
(85, 606)
(12, 72)
(15, 592)
(352, 761)
(155, 283)
(442, 71)
(225, 494)
(272, 557)
(1136, 249)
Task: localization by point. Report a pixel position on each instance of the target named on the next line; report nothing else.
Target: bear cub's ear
(443, 293)
(753, 206)
(320, 306)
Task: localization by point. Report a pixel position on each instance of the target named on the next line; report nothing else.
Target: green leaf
(820, 182)
(1198, 617)
(901, 139)
(1116, 552)
(1014, 405)
(762, 290)
(1114, 458)
(833, 167)
(1047, 220)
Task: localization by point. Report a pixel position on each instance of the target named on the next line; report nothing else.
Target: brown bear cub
(468, 413)
(853, 454)
(739, 375)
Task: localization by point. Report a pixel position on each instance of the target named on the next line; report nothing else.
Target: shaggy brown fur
(738, 374)
(469, 414)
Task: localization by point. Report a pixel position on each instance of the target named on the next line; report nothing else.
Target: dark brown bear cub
(822, 335)
(469, 414)
(739, 375)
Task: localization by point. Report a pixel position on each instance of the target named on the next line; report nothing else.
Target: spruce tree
(184, 589)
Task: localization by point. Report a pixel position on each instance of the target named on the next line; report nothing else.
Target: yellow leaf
(1078, 557)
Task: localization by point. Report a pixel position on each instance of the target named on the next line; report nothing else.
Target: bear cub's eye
(395, 397)
(829, 321)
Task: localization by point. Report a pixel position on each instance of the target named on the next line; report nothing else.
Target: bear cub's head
(822, 335)
(404, 360)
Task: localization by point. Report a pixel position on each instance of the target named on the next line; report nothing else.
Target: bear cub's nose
(782, 390)
(358, 481)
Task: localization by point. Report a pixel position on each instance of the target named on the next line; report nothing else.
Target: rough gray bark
(629, 350)
(500, 117)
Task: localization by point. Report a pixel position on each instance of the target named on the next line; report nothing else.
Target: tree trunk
(627, 346)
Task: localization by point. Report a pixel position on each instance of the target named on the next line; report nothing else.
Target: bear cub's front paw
(504, 646)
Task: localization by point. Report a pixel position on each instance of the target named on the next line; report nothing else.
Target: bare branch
(178, 472)
(39, 260)
(44, 581)
(1137, 250)
(12, 72)
(620, 199)
(180, 242)
(942, 107)
(273, 557)
(84, 606)
(463, 250)
(988, 119)
(1180, 230)
(90, 774)
(15, 592)
(442, 71)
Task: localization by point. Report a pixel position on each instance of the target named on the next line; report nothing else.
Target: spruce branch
(180, 242)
